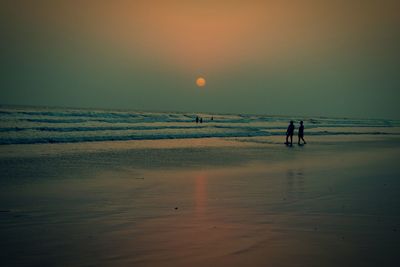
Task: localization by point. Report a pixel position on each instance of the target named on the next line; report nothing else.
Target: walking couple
(290, 132)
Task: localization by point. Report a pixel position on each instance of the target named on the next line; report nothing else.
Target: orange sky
(253, 54)
(209, 35)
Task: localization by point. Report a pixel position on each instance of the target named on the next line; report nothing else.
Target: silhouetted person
(197, 119)
(201, 120)
(301, 133)
(289, 132)
(212, 118)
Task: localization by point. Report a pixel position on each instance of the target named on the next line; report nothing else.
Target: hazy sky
(322, 58)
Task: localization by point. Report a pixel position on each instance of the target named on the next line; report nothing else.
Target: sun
(200, 82)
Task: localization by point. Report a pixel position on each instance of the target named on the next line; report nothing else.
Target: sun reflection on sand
(200, 194)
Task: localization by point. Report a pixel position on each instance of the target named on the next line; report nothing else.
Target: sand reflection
(295, 179)
(200, 194)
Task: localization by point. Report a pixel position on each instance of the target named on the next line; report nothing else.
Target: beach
(202, 202)
(199, 133)
(167, 133)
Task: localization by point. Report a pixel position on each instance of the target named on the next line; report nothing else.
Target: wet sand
(202, 202)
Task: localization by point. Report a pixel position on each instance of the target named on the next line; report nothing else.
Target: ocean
(33, 125)
(229, 201)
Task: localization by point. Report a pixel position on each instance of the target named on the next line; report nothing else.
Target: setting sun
(200, 82)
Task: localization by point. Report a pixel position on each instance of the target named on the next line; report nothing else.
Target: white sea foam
(22, 125)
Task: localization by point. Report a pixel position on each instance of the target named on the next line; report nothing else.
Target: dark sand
(202, 202)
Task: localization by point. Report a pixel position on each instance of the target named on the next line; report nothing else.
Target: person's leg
(287, 141)
(303, 140)
(299, 140)
(291, 139)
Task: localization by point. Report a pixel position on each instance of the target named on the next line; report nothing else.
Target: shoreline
(26, 150)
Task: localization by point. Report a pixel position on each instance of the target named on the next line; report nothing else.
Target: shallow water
(251, 204)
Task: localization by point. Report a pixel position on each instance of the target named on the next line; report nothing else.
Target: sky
(312, 58)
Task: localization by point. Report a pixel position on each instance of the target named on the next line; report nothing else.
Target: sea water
(31, 125)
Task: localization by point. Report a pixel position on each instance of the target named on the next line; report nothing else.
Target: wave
(166, 127)
(47, 125)
(95, 129)
(77, 139)
(187, 119)
(74, 116)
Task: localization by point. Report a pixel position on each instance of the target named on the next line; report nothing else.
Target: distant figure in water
(289, 132)
(201, 120)
(197, 119)
(212, 118)
(301, 133)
